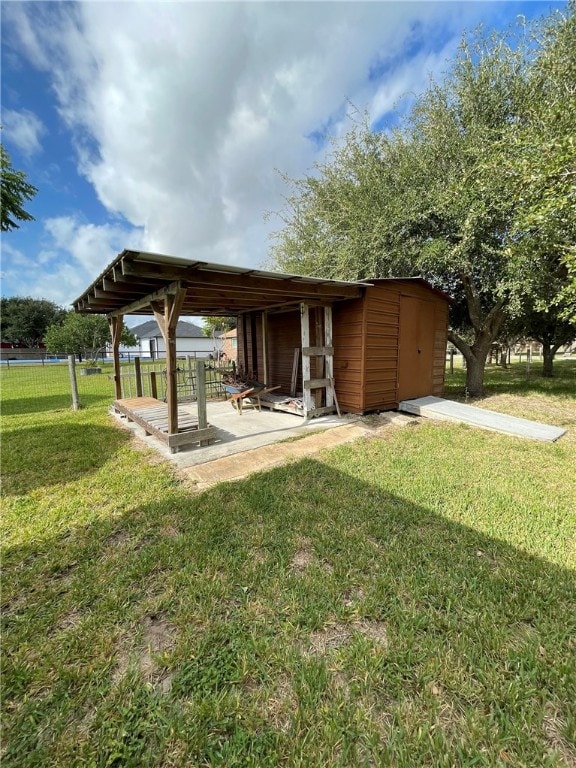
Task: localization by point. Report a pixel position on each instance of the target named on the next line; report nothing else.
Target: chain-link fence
(42, 385)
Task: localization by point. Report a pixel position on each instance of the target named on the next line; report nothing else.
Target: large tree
(24, 320)
(428, 198)
(15, 190)
(536, 163)
(84, 335)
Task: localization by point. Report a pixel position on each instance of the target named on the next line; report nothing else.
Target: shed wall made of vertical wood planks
(389, 345)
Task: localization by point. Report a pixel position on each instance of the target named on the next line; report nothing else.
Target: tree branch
(474, 309)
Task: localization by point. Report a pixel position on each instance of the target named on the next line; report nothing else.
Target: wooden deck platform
(152, 416)
(449, 410)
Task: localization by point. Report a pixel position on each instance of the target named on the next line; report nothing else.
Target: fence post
(153, 385)
(138, 374)
(451, 361)
(190, 376)
(73, 382)
(201, 394)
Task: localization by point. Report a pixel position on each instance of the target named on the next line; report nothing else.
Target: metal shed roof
(130, 283)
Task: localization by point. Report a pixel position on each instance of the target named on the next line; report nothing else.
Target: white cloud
(24, 129)
(76, 253)
(91, 246)
(182, 112)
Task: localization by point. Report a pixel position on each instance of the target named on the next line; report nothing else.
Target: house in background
(190, 340)
(229, 345)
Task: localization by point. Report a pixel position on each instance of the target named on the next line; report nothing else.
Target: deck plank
(153, 414)
(449, 410)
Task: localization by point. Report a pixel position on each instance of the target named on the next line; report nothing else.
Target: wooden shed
(367, 345)
(388, 345)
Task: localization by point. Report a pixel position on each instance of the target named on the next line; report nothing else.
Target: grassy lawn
(406, 600)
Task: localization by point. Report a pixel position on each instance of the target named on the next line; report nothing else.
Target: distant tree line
(32, 322)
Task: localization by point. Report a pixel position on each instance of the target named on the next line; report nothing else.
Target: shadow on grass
(55, 452)
(478, 648)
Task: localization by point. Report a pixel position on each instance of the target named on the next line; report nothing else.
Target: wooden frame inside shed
(140, 283)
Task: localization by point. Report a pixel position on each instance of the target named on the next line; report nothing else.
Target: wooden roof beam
(224, 280)
(170, 290)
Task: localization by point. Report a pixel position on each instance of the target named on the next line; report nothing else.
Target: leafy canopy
(214, 326)
(14, 191)
(448, 195)
(24, 320)
(85, 335)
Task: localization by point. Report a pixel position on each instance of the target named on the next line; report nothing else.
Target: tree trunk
(503, 357)
(475, 376)
(486, 327)
(475, 356)
(548, 352)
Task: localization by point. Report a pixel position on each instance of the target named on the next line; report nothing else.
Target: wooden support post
(116, 332)
(329, 359)
(305, 335)
(201, 394)
(245, 344)
(153, 385)
(320, 360)
(201, 397)
(167, 318)
(138, 374)
(73, 382)
(254, 344)
(265, 347)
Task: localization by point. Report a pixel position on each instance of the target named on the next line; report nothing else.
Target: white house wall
(197, 347)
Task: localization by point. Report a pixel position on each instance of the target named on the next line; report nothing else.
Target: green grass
(405, 600)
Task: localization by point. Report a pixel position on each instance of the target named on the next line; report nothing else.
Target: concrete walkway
(450, 410)
(260, 459)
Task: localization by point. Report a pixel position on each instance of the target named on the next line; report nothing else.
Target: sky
(169, 126)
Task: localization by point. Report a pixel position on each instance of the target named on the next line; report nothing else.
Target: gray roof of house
(150, 329)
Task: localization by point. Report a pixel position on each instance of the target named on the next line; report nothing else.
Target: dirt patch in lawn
(304, 556)
(336, 635)
(281, 706)
(158, 637)
(553, 726)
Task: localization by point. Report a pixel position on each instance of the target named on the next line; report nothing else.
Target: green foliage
(14, 191)
(445, 195)
(214, 326)
(536, 164)
(85, 335)
(25, 320)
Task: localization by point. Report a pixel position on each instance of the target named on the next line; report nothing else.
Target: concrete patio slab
(237, 434)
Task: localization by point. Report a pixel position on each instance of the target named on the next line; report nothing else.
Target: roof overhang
(136, 279)
(418, 280)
